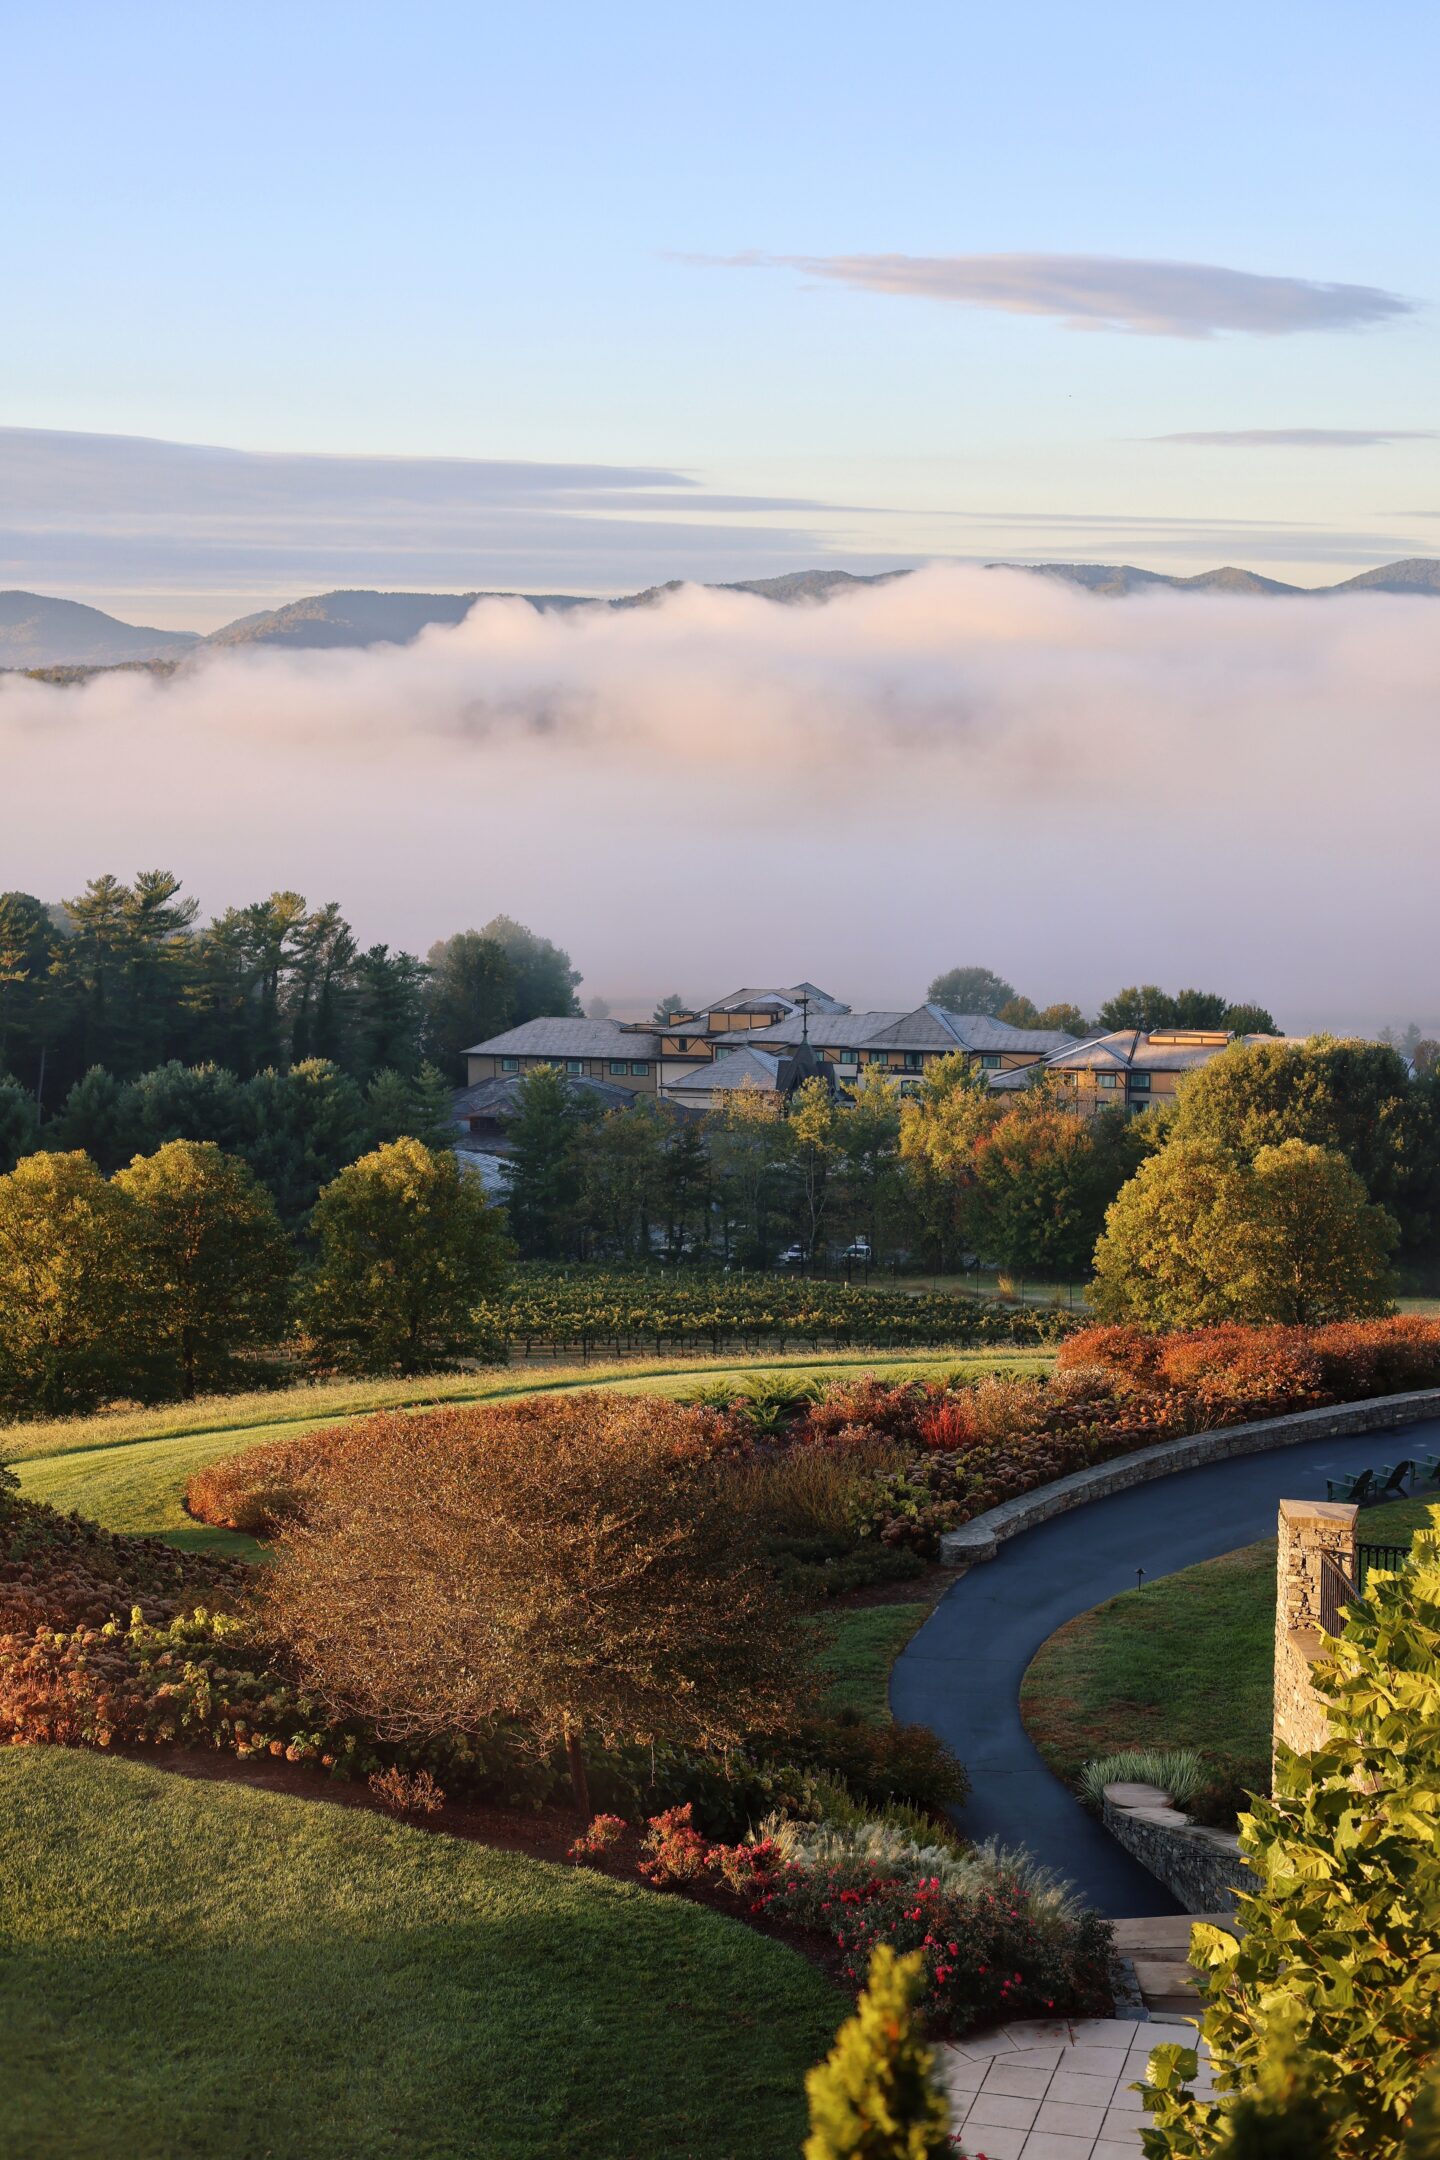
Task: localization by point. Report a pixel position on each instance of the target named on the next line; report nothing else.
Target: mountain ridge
(40, 634)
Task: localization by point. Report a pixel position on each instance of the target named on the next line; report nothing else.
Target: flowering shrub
(406, 1792)
(991, 1947)
(603, 1835)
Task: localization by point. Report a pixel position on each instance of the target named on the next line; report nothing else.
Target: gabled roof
(827, 1030)
(1164, 1050)
(782, 1000)
(932, 1027)
(500, 1098)
(740, 1068)
(568, 1038)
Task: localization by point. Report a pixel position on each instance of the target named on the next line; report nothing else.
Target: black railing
(1340, 1587)
(1389, 1557)
(1337, 1590)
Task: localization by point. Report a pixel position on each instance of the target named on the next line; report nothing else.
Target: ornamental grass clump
(1338, 1966)
(1177, 1771)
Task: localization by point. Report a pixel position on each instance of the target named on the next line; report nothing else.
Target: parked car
(858, 1249)
(794, 1256)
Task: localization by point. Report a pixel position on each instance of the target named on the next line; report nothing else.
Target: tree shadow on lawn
(197, 1969)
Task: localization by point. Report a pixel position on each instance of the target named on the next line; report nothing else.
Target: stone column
(1308, 1528)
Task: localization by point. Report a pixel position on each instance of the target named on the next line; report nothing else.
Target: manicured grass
(129, 1471)
(1187, 1661)
(865, 1641)
(196, 1971)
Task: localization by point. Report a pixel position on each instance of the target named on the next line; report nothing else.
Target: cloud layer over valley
(959, 765)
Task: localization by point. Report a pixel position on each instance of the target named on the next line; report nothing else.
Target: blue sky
(473, 233)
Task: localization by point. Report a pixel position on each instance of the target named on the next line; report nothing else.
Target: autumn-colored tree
(408, 1248)
(940, 1124)
(873, 2097)
(573, 1562)
(1043, 1181)
(206, 1257)
(69, 1318)
(1199, 1236)
(1169, 1255)
(815, 1127)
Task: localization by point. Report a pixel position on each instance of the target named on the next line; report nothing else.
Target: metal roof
(932, 1027)
(568, 1038)
(740, 1068)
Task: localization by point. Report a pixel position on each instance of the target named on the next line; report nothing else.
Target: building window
(509, 1064)
(912, 1061)
(617, 1065)
(1105, 1080)
(640, 1071)
(877, 1057)
(1141, 1081)
(990, 1062)
(574, 1065)
(682, 1042)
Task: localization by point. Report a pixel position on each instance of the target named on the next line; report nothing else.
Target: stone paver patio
(1044, 2089)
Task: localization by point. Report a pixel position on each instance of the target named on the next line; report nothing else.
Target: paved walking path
(961, 1673)
(1044, 2090)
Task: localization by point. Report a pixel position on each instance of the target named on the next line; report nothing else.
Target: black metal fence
(1339, 1587)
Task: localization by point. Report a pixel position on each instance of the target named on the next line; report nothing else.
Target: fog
(962, 765)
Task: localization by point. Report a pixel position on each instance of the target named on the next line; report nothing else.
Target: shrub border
(982, 1537)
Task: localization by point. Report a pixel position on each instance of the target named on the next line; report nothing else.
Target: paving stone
(1005, 2076)
(1007, 2144)
(1075, 2085)
(1056, 2145)
(1074, 2120)
(1132, 1793)
(1003, 2111)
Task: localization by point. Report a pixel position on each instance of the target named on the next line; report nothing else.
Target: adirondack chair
(1393, 1487)
(1428, 1472)
(1356, 1488)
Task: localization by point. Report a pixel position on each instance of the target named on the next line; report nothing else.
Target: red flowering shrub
(892, 1408)
(1126, 1350)
(950, 1423)
(406, 1792)
(603, 1835)
(675, 1851)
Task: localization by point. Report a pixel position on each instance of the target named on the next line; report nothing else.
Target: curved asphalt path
(961, 1673)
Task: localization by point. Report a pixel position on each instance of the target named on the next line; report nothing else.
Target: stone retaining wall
(1202, 1868)
(982, 1538)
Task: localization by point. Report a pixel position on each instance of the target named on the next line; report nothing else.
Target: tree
(1314, 1248)
(544, 1166)
(413, 1106)
(1335, 1970)
(304, 1125)
(597, 1008)
(939, 1127)
(1020, 1012)
(206, 1258)
(1354, 1096)
(1171, 1251)
(545, 982)
(19, 1124)
(69, 1317)
(668, 1007)
(1198, 1236)
(622, 1179)
(1249, 1020)
(1067, 1018)
(873, 2097)
(1144, 1005)
(93, 1120)
(574, 1562)
(1043, 1181)
(815, 1135)
(970, 990)
(409, 1247)
(686, 1183)
(470, 996)
(872, 1191)
(751, 1158)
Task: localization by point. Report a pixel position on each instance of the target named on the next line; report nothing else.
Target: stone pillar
(1308, 1528)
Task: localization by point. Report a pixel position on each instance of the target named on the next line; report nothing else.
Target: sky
(745, 290)
(461, 297)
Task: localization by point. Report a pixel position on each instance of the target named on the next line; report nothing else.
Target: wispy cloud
(1296, 438)
(100, 516)
(1105, 292)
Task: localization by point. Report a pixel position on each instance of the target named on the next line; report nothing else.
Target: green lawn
(1187, 1661)
(128, 1470)
(865, 1642)
(196, 1971)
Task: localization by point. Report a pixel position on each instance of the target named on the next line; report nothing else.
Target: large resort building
(767, 1039)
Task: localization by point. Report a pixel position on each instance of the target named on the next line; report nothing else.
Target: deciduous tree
(70, 1318)
(970, 990)
(408, 1249)
(207, 1261)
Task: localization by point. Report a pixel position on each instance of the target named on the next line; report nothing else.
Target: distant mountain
(41, 634)
(366, 618)
(37, 632)
(1418, 574)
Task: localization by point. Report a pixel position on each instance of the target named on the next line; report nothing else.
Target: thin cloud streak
(959, 764)
(1295, 438)
(1104, 292)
